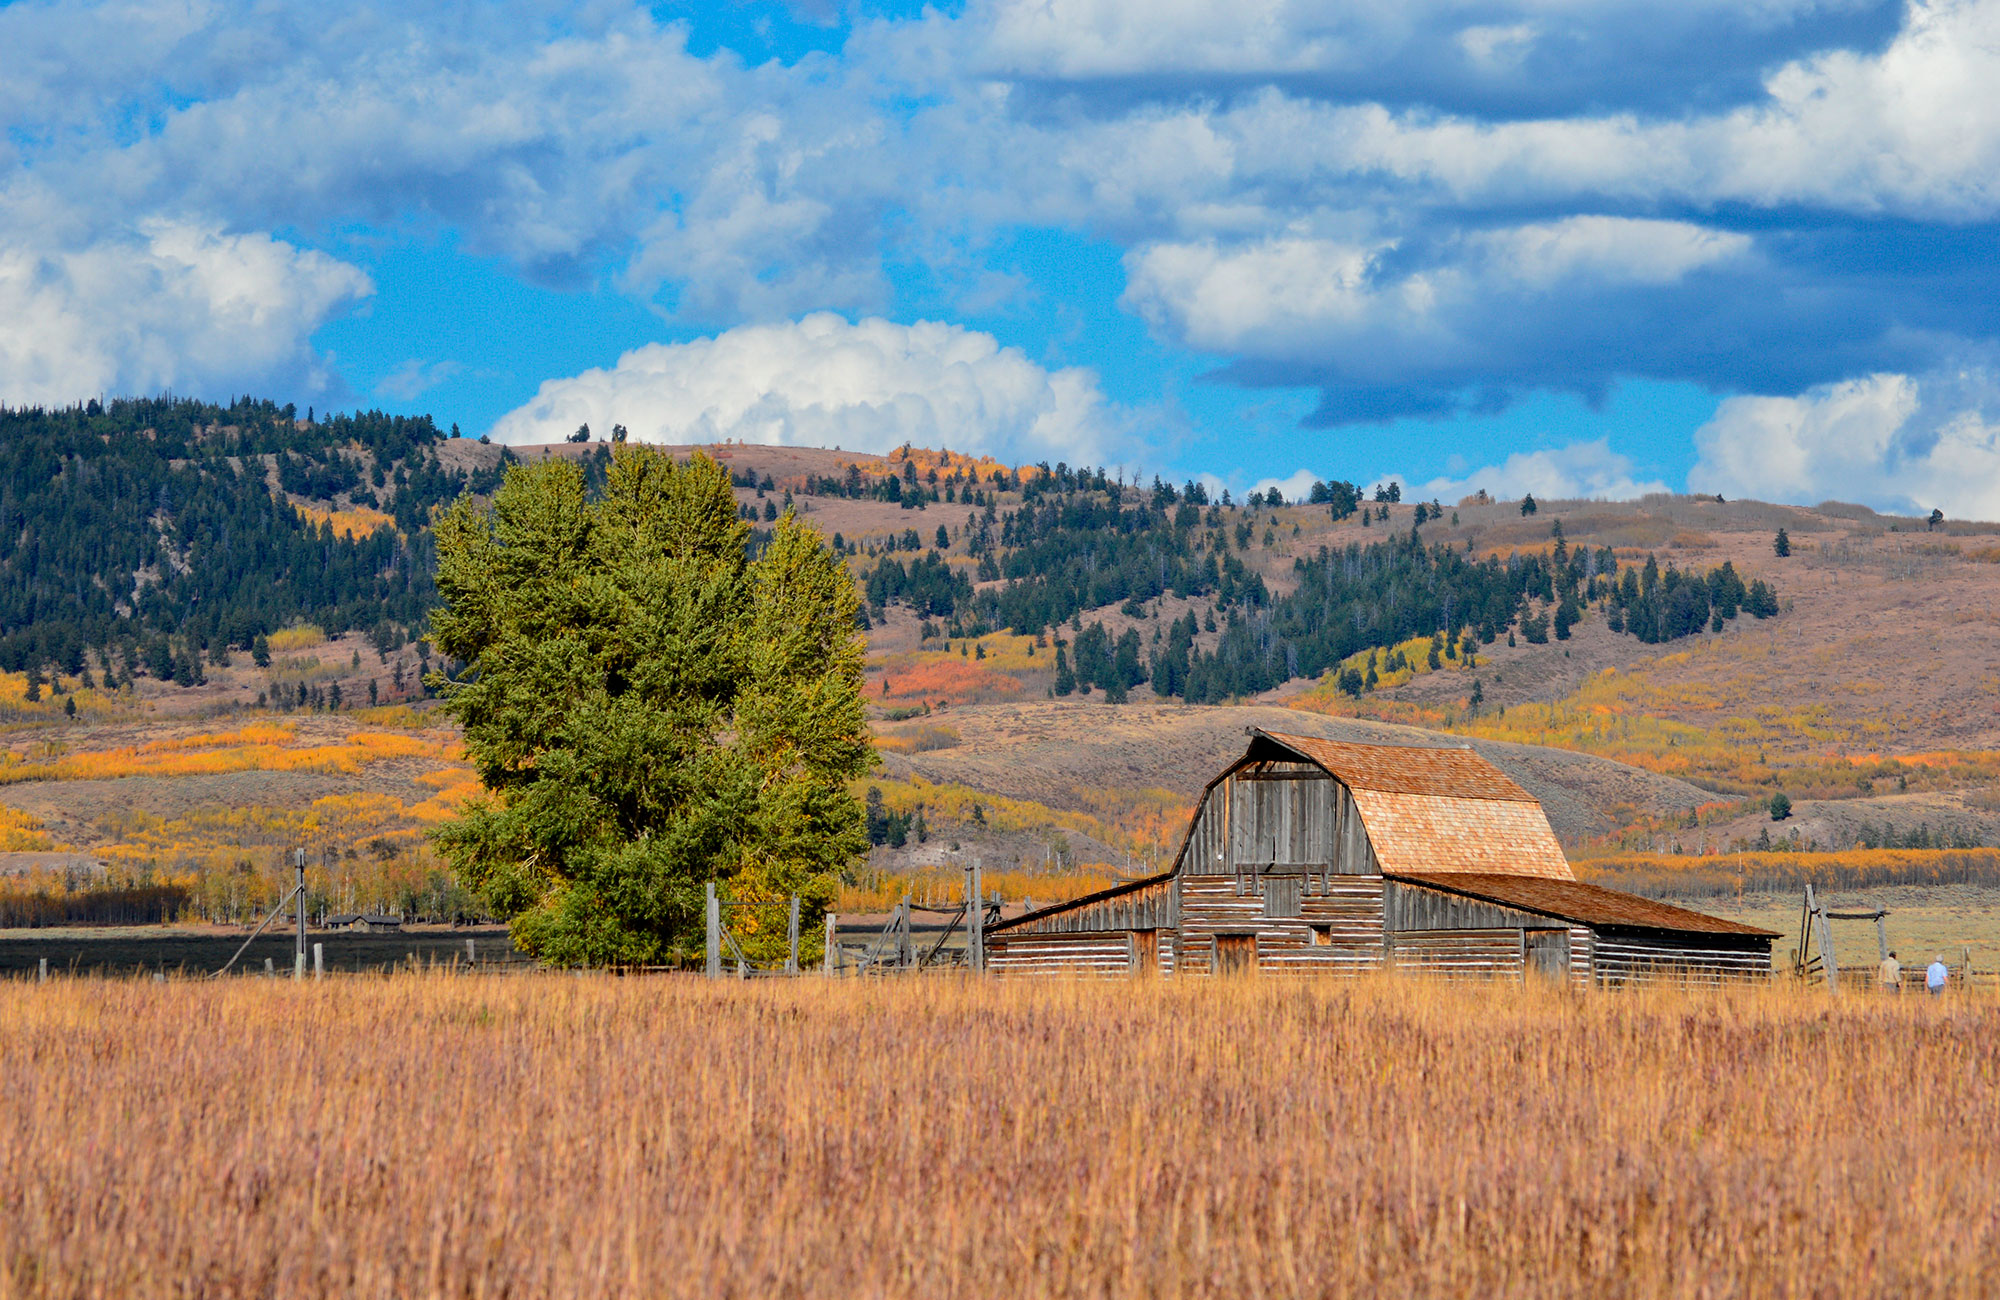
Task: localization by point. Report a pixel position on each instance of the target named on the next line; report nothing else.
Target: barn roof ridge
(1447, 771)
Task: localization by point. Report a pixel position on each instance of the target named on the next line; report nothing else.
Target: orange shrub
(945, 680)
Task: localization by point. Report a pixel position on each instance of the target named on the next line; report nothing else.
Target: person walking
(1890, 974)
(1935, 977)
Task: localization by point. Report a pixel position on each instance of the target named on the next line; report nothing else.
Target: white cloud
(1581, 470)
(1293, 487)
(1085, 39)
(869, 385)
(174, 304)
(414, 378)
(1903, 443)
(1296, 295)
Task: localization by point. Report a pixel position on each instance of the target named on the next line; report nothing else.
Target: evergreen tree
(1528, 505)
(1782, 544)
(649, 709)
(1781, 806)
(1065, 677)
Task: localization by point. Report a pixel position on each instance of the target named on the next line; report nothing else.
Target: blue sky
(1575, 247)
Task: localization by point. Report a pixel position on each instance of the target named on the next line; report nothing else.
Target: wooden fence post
(319, 961)
(977, 923)
(792, 939)
(826, 957)
(906, 955)
(1825, 932)
(714, 935)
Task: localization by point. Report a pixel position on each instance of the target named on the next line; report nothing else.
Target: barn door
(1235, 954)
(1546, 954)
(1146, 951)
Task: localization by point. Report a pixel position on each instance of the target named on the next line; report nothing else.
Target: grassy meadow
(440, 1135)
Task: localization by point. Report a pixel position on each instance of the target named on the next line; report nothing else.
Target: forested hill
(157, 536)
(160, 531)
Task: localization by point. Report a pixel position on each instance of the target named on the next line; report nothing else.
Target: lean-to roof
(1573, 900)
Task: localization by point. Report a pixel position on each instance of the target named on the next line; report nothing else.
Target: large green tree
(649, 708)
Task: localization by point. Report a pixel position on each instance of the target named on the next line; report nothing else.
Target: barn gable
(1438, 810)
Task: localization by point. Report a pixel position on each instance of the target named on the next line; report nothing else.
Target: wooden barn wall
(1582, 955)
(1694, 958)
(1412, 907)
(1156, 907)
(1283, 817)
(1412, 913)
(1460, 954)
(1060, 954)
(1338, 926)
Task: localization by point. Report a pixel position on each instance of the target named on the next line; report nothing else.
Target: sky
(1574, 247)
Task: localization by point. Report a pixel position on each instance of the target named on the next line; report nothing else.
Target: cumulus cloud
(1897, 442)
(174, 304)
(1401, 329)
(1412, 207)
(1508, 55)
(869, 385)
(569, 143)
(1295, 486)
(1581, 470)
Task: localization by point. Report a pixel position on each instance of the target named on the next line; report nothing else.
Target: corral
(1315, 856)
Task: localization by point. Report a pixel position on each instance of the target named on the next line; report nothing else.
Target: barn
(1317, 856)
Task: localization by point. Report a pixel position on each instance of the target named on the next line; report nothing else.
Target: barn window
(1282, 895)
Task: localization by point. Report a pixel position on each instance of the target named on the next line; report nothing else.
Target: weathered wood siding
(1278, 815)
(1338, 925)
(1153, 907)
(1697, 959)
(1459, 954)
(1430, 928)
(1061, 954)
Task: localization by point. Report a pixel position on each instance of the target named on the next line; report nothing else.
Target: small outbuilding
(1317, 856)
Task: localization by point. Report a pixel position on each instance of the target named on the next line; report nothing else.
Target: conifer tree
(1782, 544)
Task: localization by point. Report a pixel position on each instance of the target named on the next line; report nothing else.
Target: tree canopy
(649, 708)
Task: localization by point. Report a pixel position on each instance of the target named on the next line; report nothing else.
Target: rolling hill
(1038, 638)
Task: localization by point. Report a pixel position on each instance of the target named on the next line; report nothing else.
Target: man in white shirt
(1938, 973)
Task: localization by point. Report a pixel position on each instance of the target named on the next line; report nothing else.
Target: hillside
(1039, 638)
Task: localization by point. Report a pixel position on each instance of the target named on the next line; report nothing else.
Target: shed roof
(1438, 810)
(1573, 900)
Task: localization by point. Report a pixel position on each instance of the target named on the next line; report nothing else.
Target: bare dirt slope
(1058, 752)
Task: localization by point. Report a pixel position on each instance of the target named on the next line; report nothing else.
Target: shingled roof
(1573, 900)
(1407, 769)
(1438, 810)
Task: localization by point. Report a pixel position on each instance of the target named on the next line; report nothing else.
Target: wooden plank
(1625, 960)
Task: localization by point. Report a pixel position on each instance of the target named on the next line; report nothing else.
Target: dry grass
(554, 1137)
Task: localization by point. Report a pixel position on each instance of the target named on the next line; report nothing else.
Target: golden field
(558, 1136)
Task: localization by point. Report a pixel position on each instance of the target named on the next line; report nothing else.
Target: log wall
(1697, 959)
(1061, 954)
